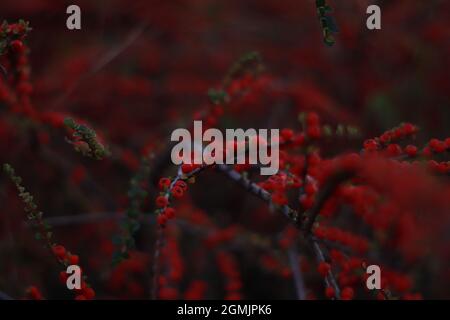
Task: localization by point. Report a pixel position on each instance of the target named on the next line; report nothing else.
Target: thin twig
(256, 190)
(294, 261)
(330, 280)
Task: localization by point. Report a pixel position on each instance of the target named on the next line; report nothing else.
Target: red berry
(370, 145)
(73, 259)
(385, 137)
(347, 293)
(34, 293)
(393, 150)
(177, 192)
(169, 213)
(411, 150)
(310, 189)
(314, 132)
(161, 201)
(181, 184)
(330, 293)
(17, 46)
(307, 201)
(89, 293)
(324, 268)
(162, 219)
(59, 251)
(447, 143)
(279, 198)
(437, 145)
(312, 119)
(287, 134)
(164, 183)
(409, 129)
(187, 168)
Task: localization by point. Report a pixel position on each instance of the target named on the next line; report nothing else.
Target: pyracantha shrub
(364, 148)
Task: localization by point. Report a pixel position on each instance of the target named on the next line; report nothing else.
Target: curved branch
(324, 194)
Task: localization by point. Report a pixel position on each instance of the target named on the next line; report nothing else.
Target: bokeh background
(139, 69)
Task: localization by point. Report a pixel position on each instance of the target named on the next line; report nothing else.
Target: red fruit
(73, 259)
(279, 199)
(437, 145)
(287, 134)
(169, 213)
(80, 297)
(17, 46)
(34, 293)
(181, 184)
(427, 152)
(312, 119)
(187, 168)
(299, 139)
(307, 201)
(320, 232)
(447, 143)
(370, 145)
(177, 192)
(411, 150)
(330, 293)
(313, 132)
(324, 268)
(393, 150)
(310, 189)
(409, 129)
(164, 183)
(89, 293)
(161, 201)
(162, 219)
(385, 137)
(347, 293)
(59, 251)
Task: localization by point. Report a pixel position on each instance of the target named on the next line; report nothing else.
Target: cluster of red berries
(66, 258)
(279, 184)
(228, 267)
(357, 243)
(162, 201)
(168, 282)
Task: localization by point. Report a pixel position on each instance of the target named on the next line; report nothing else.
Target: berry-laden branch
(256, 190)
(44, 234)
(330, 280)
